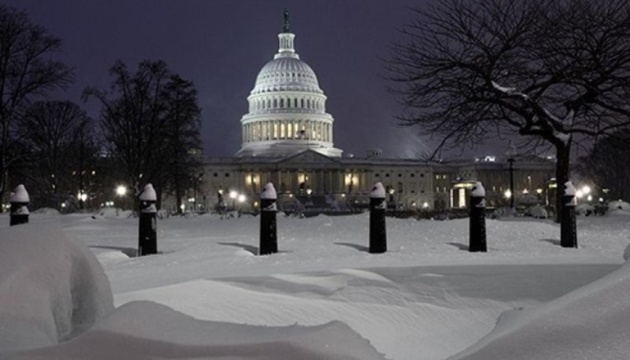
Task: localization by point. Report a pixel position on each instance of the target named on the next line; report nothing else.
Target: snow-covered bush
(537, 211)
(51, 288)
(618, 207)
(584, 209)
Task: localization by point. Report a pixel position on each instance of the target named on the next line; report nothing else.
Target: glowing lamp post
(233, 196)
(510, 155)
(121, 191)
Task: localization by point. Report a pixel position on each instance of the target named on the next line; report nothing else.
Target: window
(387, 175)
(215, 174)
(413, 175)
(377, 175)
(227, 174)
(399, 175)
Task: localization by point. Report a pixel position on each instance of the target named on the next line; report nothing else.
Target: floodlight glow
(121, 190)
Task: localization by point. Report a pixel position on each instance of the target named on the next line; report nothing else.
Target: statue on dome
(286, 21)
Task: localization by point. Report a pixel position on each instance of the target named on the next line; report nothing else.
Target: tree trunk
(563, 152)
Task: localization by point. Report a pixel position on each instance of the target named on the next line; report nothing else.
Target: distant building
(287, 139)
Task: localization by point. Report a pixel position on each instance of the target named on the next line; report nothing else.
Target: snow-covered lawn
(323, 296)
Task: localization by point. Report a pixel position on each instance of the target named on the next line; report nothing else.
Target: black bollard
(568, 231)
(268, 224)
(378, 234)
(19, 209)
(477, 239)
(147, 241)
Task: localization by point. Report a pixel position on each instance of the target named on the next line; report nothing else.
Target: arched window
(302, 103)
(282, 102)
(275, 103)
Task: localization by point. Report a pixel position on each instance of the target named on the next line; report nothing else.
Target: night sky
(222, 44)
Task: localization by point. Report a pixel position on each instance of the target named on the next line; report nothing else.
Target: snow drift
(51, 288)
(590, 322)
(146, 330)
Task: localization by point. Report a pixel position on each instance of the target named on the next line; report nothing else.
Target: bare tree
(132, 121)
(553, 71)
(150, 122)
(61, 147)
(183, 137)
(27, 70)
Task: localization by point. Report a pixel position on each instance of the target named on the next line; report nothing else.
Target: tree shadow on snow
(130, 252)
(354, 246)
(460, 246)
(552, 241)
(250, 248)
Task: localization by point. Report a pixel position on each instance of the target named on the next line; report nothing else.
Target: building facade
(287, 139)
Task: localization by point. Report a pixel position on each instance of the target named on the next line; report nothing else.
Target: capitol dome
(287, 108)
(286, 74)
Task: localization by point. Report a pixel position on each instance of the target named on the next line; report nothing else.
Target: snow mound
(109, 212)
(618, 207)
(46, 211)
(538, 212)
(588, 323)
(146, 330)
(51, 288)
(584, 209)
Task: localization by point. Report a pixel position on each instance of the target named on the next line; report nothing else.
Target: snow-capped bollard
(19, 210)
(378, 234)
(477, 238)
(147, 241)
(268, 224)
(568, 231)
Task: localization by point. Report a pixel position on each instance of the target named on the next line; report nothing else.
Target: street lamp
(233, 195)
(510, 154)
(121, 190)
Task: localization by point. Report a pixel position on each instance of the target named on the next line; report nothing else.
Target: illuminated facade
(287, 139)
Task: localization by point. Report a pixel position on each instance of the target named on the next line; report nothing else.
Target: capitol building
(288, 139)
